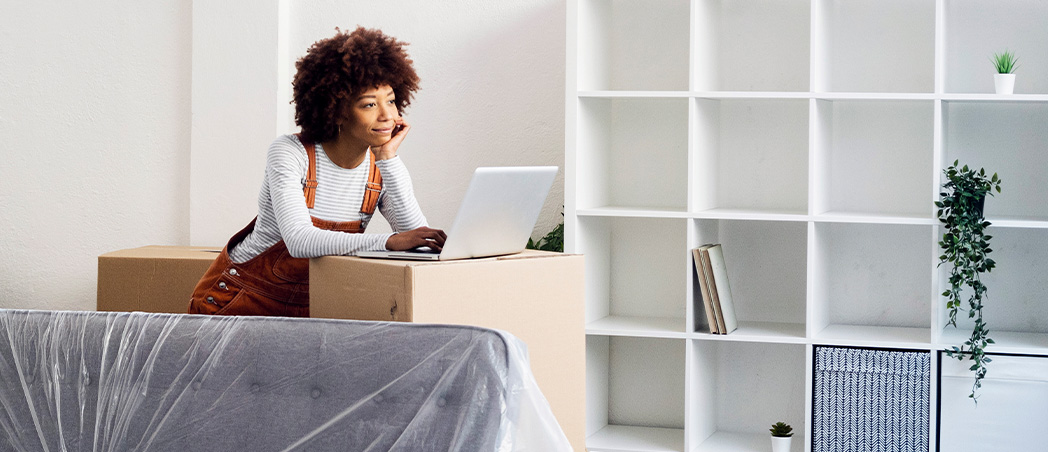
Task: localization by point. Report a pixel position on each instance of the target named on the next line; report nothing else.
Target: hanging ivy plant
(965, 247)
(552, 241)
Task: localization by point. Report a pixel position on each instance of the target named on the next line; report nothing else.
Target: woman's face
(372, 116)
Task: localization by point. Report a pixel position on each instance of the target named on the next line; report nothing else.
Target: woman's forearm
(398, 204)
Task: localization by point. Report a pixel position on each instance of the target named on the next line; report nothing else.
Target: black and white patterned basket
(870, 400)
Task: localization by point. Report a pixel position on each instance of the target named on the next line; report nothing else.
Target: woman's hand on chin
(402, 241)
(388, 149)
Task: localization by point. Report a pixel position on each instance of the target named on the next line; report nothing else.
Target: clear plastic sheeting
(94, 381)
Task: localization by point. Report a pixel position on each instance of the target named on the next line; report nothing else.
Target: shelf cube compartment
(874, 46)
(766, 265)
(1014, 306)
(635, 393)
(1006, 138)
(872, 283)
(874, 158)
(1011, 405)
(751, 155)
(739, 389)
(976, 30)
(633, 153)
(636, 270)
(633, 45)
(748, 45)
(868, 400)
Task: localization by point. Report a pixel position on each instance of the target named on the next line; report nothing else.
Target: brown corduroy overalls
(272, 283)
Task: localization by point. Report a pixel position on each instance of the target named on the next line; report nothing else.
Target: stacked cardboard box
(151, 278)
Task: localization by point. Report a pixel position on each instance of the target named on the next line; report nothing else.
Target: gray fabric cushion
(97, 381)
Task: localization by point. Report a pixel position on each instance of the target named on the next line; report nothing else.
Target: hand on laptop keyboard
(415, 238)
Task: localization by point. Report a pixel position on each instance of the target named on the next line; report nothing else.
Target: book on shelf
(722, 296)
(712, 273)
(704, 287)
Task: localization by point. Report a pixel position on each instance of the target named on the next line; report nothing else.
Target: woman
(322, 185)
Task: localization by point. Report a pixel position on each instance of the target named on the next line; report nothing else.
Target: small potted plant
(781, 437)
(1004, 79)
(965, 247)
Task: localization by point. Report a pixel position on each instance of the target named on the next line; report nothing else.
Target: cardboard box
(537, 296)
(151, 278)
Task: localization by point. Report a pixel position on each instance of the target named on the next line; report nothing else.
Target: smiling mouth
(383, 131)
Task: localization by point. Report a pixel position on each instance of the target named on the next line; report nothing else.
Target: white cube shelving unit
(808, 137)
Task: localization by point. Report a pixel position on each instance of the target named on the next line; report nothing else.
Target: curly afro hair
(335, 71)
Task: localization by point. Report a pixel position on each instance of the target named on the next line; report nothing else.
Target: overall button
(222, 285)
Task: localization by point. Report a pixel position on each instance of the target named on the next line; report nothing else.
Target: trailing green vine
(965, 246)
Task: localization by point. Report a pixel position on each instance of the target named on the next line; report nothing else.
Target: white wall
(234, 114)
(128, 124)
(94, 134)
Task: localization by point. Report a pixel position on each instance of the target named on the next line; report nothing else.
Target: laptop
(496, 216)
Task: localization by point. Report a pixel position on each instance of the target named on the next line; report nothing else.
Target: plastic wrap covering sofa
(94, 381)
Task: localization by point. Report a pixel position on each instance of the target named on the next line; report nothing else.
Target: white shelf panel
(621, 438)
(617, 325)
(632, 212)
(760, 95)
(850, 217)
(612, 94)
(743, 442)
(1017, 222)
(873, 96)
(962, 97)
(1004, 341)
(773, 95)
(874, 336)
(744, 214)
(769, 332)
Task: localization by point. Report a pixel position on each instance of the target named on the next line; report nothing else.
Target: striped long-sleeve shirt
(283, 215)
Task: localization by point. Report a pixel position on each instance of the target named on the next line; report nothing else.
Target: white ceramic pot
(1004, 83)
(780, 443)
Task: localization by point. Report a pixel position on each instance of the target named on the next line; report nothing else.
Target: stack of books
(716, 292)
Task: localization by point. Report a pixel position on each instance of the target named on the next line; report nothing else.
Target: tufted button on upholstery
(196, 385)
(255, 388)
(233, 271)
(211, 300)
(441, 402)
(378, 398)
(315, 393)
(222, 285)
